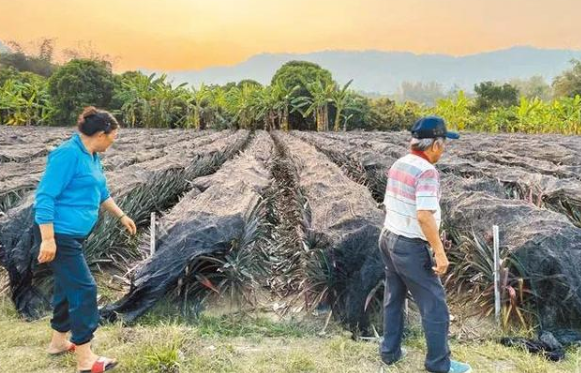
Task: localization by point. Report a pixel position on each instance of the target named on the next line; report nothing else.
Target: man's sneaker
(458, 367)
(404, 353)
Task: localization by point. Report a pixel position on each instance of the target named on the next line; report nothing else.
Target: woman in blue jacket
(69, 196)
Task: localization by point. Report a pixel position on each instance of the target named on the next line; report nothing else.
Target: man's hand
(129, 225)
(442, 263)
(430, 228)
(47, 251)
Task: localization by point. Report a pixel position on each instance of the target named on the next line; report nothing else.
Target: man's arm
(430, 229)
(427, 202)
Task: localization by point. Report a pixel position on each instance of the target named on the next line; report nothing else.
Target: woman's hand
(47, 251)
(111, 207)
(129, 224)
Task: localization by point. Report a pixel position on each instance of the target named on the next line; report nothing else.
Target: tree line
(34, 90)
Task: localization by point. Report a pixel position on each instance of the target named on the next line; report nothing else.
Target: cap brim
(452, 135)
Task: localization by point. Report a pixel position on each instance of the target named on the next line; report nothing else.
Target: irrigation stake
(496, 274)
(152, 235)
(323, 332)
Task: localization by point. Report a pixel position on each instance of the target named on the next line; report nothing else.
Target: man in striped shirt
(412, 223)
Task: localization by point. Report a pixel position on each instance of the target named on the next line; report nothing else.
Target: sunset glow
(192, 34)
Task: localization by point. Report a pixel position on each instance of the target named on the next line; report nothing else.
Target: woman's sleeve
(103, 190)
(60, 169)
(103, 187)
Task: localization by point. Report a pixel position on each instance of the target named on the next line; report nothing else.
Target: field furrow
(207, 240)
(343, 226)
(138, 189)
(546, 244)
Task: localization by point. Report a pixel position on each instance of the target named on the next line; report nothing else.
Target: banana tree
(137, 97)
(217, 99)
(265, 107)
(568, 115)
(164, 103)
(201, 95)
(455, 111)
(242, 103)
(284, 102)
(347, 118)
(24, 102)
(318, 103)
(498, 120)
(527, 115)
(341, 97)
(151, 101)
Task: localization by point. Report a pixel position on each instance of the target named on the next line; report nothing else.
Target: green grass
(247, 344)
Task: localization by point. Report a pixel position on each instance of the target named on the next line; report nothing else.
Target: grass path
(232, 344)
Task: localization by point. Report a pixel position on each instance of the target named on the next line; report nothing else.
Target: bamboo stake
(496, 273)
(152, 235)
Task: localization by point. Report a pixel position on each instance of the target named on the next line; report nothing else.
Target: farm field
(289, 221)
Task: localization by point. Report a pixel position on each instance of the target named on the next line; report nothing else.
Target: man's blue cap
(432, 127)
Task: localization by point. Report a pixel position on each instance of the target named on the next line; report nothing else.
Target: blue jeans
(75, 291)
(408, 266)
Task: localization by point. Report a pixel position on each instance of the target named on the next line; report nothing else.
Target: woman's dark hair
(93, 120)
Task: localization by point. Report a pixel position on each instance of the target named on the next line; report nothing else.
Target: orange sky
(192, 34)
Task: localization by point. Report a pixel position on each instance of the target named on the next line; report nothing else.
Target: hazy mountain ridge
(383, 72)
(4, 48)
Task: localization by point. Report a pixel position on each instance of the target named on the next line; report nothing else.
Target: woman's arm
(111, 207)
(48, 244)
(59, 171)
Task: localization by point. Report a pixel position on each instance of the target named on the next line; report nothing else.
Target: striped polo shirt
(413, 184)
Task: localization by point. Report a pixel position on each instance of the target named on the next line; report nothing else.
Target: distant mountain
(383, 72)
(3, 48)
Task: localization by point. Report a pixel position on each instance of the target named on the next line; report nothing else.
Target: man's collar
(421, 154)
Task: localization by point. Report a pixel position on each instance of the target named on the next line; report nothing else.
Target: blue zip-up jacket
(71, 190)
